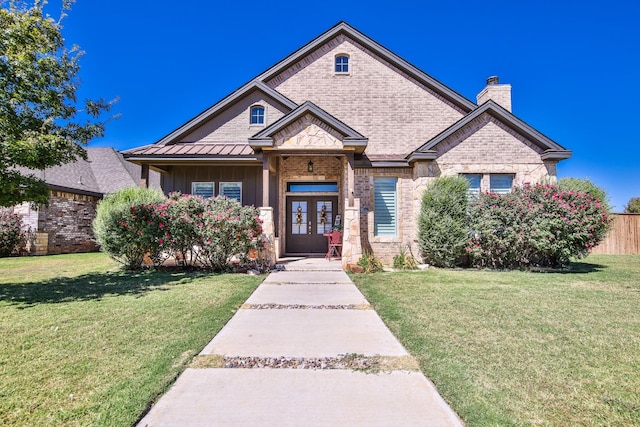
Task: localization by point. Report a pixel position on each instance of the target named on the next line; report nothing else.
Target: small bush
(442, 223)
(537, 225)
(12, 237)
(369, 263)
(185, 217)
(404, 260)
(115, 228)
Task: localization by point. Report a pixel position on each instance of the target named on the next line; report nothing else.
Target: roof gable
(208, 114)
(550, 149)
(350, 137)
(342, 28)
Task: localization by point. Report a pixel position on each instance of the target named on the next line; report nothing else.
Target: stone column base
(351, 242)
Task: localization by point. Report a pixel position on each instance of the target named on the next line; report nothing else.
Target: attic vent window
(342, 64)
(257, 115)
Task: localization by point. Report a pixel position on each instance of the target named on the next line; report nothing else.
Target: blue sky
(573, 65)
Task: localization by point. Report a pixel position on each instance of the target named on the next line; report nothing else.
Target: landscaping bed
(84, 343)
(523, 348)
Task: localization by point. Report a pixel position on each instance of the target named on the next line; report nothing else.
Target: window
(257, 115)
(342, 64)
(232, 190)
(385, 201)
(203, 189)
(312, 187)
(500, 184)
(474, 184)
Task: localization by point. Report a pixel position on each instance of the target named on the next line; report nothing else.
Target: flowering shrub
(12, 237)
(538, 225)
(115, 229)
(229, 230)
(210, 232)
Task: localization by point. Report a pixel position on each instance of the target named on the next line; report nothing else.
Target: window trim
(395, 217)
(348, 64)
(195, 193)
(263, 116)
(501, 191)
(223, 184)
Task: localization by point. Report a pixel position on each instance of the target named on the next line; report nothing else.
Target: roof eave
(556, 155)
(417, 156)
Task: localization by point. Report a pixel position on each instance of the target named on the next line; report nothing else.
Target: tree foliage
(633, 206)
(42, 124)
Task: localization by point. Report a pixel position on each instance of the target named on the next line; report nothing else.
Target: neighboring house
(344, 127)
(65, 226)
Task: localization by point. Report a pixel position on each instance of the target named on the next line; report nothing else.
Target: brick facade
(67, 222)
(378, 100)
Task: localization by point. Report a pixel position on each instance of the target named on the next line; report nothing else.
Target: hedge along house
(345, 130)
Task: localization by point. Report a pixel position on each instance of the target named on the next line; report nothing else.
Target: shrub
(185, 233)
(229, 230)
(404, 260)
(633, 206)
(585, 186)
(116, 231)
(442, 223)
(537, 225)
(369, 263)
(12, 237)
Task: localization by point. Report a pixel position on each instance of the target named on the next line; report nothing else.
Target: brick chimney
(500, 94)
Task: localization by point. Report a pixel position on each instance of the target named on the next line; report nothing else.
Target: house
(344, 130)
(65, 226)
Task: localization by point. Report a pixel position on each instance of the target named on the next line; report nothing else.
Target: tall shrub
(12, 237)
(229, 230)
(185, 214)
(115, 229)
(584, 185)
(442, 223)
(539, 225)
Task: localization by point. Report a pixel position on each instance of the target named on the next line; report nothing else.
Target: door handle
(309, 229)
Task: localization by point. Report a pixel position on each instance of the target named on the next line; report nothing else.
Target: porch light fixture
(310, 166)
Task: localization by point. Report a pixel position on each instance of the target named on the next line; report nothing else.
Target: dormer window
(257, 115)
(342, 64)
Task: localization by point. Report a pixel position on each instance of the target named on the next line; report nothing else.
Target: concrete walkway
(314, 353)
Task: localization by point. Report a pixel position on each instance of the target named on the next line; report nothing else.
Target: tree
(633, 206)
(41, 122)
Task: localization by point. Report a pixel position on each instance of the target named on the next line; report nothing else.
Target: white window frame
(348, 64)
(223, 184)
(264, 115)
(195, 184)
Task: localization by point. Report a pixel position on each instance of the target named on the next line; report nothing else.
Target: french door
(308, 218)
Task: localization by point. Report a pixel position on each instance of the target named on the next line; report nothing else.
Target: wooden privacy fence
(624, 237)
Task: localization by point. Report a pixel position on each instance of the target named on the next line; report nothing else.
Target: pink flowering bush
(196, 231)
(229, 230)
(12, 237)
(539, 225)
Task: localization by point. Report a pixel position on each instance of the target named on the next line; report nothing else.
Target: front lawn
(84, 343)
(522, 348)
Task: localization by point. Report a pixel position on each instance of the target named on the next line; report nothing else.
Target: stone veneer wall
(67, 222)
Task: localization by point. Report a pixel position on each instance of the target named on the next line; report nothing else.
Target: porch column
(350, 178)
(144, 176)
(266, 158)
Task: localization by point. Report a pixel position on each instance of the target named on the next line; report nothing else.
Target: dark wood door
(308, 218)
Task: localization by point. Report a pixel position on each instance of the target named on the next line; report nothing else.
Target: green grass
(86, 344)
(523, 348)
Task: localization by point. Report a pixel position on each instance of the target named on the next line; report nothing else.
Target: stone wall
(67, 222)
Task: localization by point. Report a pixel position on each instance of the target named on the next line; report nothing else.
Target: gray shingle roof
(105, 171)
